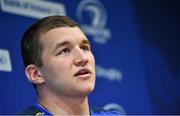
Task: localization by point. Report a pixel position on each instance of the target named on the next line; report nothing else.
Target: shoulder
(30, 111)
(97, 111)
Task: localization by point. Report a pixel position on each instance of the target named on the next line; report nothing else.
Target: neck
(65, 105)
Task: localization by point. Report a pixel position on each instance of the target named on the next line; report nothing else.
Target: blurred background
(135, 44)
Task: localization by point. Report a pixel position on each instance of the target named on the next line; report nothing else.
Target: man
(59, 62)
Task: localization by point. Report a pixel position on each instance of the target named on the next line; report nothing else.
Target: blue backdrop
(135, 44)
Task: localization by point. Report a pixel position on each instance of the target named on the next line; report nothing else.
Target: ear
(34, 74)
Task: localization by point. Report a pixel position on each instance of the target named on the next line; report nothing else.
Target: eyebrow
(61, 44)
(64, 43)
(85, 41)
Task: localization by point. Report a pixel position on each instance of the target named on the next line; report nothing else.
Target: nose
(81, 58)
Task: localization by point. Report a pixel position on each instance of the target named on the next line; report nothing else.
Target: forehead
(60, 34)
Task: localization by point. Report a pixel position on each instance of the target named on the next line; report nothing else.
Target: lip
(83, 73)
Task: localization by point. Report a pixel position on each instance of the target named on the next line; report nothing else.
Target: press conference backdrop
(135, 43)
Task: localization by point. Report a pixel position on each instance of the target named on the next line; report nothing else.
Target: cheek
(52, 69)
(92, 59)
(56, 75)
(92, 62)
(63, 69)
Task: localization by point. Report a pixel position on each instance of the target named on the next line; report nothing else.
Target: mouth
(83, 73)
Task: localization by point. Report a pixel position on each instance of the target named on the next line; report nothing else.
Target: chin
(86, 87)
(87, 90)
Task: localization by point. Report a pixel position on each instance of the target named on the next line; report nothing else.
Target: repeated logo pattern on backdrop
(100, 34)
(122, 81)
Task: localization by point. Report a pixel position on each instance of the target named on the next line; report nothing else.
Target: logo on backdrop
(111, 74)
(32, 8)
(5, 62)
(97, 13)
(114, 106)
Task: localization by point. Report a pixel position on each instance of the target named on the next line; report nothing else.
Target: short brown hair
(31, 47)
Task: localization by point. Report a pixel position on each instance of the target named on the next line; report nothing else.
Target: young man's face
(68, 63)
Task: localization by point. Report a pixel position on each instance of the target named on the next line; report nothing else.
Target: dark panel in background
(158, 22)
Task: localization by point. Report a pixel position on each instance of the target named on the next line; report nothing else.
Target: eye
(85, 48)
(64, 51)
